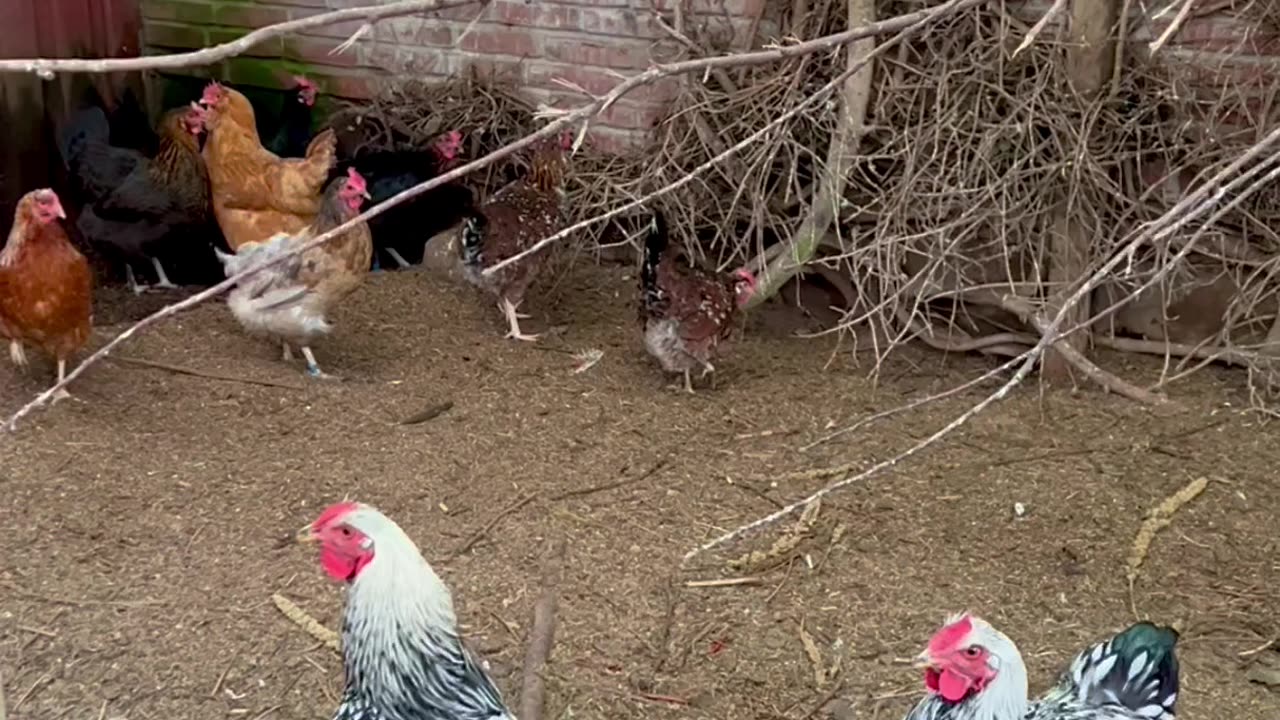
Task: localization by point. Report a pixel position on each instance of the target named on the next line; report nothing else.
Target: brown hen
(511, 221)
(255, 193)
(46, 287)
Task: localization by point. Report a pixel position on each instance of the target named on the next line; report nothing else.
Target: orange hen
(255, 193)
(46, 287)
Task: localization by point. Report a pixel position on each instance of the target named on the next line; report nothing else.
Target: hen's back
(1132, 675)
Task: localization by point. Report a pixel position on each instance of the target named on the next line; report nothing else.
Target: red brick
(735, 8)
(315, 51)
(617, 142)
(341, 30)
(251, 17)
(497, 40)
(355, 87)
(266, 48)
(190, 12)
(624, 22)
(416, 32)
(175, 36)
(426, 61)
(577, 50)
(300, 3)
(492, 67)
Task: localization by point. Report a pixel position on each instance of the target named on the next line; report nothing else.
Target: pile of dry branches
(970, 149)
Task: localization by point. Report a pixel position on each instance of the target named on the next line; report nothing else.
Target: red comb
(302, 81)
(334, 513)
(950, 636)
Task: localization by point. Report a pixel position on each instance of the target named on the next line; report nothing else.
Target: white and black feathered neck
(400, 647)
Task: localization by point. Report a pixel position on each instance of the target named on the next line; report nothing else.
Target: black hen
(400, 235)
(291, 137)
(132, 203)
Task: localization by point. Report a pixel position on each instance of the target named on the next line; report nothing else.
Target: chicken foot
(62, 393)
(513, 319)
(163, 280)
(398, 258)
(138, 288)
(17, 353)
(313, 368)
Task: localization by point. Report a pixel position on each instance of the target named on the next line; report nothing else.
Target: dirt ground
(139, 538)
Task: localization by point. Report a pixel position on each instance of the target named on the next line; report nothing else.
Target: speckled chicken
(290, 301)
(511, 221)
(974, 672)
(686, 311)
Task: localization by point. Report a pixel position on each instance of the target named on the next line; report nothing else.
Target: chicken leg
(137, 288)
(398, 258)
(513, 319)
(61, 393)
(17, 353)
(313, 369)
(163, 280)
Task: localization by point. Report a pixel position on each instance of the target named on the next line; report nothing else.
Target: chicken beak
(923, 660)
(305, 535)
(366, 195)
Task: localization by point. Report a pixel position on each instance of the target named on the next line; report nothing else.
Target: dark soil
(139, 538)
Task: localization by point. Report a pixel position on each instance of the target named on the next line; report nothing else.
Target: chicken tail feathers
(1136, 669)
(473, 227)
(85, 128)
(655, 245)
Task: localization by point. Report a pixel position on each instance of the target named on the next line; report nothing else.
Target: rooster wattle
(975, 672)
(401, 651)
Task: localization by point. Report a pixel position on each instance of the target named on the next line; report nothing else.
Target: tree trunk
(855, 96)
(1090, 56)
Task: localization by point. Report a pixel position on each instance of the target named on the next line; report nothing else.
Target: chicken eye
(973, 651)
(346, 531)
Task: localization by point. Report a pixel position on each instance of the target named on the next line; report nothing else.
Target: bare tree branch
(369, 14)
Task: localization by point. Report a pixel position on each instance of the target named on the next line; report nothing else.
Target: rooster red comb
(355, 180)
(304, 82)
(335, 512)
(951, 634)
(212, 93)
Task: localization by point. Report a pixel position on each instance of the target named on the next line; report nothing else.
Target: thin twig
(533, 691)
(1050, 14)
(370, 14)
(1183, 13)
(479, 534)
(180, 370)
(582, 492)
(430, 413)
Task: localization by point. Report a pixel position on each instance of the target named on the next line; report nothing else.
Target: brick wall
(542, 44)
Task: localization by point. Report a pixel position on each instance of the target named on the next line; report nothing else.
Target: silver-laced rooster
(401, 651)
(974, 672)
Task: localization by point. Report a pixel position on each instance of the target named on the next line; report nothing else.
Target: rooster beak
(923, 660)
(366, 195)
(305, 535)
